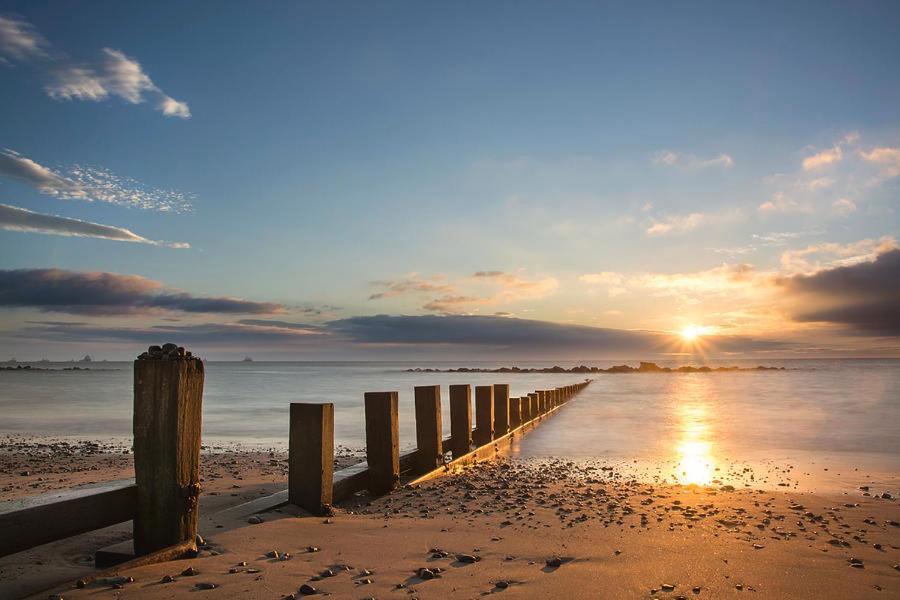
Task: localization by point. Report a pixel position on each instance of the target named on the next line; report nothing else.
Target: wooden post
(460, 419)
(501, 409)
(311, 456)
(515, 412)
(484, 415)
(382, 441)
(429, 428)
(168, 397)
(532, 406)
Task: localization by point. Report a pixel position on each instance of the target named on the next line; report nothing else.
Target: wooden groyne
(163, 499)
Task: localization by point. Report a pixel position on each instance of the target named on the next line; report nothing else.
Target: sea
(835, 423)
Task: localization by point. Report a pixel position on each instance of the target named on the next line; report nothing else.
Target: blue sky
(610, 165)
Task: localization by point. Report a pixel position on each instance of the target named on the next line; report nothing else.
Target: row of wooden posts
(163, 499)
(311, 453)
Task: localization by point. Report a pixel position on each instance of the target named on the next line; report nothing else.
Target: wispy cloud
(669, 158)
(13, 218)
(115, 74)
(100, 293)
(483, 288)
(19, 41)
(823, 158)
(90, 184)
(675, 224)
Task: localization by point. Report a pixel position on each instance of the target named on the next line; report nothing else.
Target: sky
(387, 180)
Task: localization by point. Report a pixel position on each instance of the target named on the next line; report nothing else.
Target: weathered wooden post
(515, 412)
(382, 441)
(311, 456)
(460, 419)
(484, 415)
(168, 397)
(532, 406)
(429, 428)
(501, 409)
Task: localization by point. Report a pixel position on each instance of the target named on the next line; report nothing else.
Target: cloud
(823, 158)
(483, 288)
(887, 158)
(99, 293)
(864, 297)
(843, 206)
(676, 224)
(90, 184)
(674, 159)
(782, 203)
(828, 255)
(115, 74)
(19, 41)
(13, 218)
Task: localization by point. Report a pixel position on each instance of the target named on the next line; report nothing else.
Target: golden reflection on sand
(694, 445)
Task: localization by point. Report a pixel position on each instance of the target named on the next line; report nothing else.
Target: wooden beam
(515, 412)
(460, 419)
(168, 395)
(429, 427)
(311, 456)
(501, 409)
(35, 520)
(382, 441)
(484, 415)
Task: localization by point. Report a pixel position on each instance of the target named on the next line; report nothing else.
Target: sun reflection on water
(694, 446)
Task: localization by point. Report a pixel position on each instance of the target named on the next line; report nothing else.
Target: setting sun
(691, 332)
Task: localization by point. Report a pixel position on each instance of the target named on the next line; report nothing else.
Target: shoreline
(644, 367)
(532, 510)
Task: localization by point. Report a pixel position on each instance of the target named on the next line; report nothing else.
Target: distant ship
(87, 358)
(247, 359)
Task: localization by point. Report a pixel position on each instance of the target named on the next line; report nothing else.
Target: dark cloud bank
(74, 292)
(865, 298)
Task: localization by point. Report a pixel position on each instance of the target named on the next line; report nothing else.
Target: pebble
(189, 572)
(206, 586)
(167, 579)
(554, 562)
(308, 590)
(502, 584)
(255, 520)
(467, 558)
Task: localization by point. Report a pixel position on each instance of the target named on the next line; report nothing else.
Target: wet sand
(535, 528)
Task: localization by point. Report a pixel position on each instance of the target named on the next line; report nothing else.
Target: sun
(692, 332)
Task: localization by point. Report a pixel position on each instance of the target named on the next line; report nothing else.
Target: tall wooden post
(501, 409)
(429, 428)
(460, 419)
(382, 441)
(515, 412)
(311, 456)
(532, 406)
(168, 397)
(484, 415)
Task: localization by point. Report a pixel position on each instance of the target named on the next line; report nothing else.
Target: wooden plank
(501, 409)
(429, 427)
(382, 441)
(515, 412)
(484, 415)
(311, 456)
(32, 521)
(532, 405)
(123, 561)
(460, 419)
(168, 394)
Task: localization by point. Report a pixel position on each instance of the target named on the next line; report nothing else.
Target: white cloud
(19, 41)
(782, 203)
(829, 255)
(116, 74)
(673, 159)
(843, 206)
(887, 158)
(675, 224)
(823, 158)
(13, 218)
(90, 184)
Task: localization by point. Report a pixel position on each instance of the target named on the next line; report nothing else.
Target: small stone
(272, 554)
(308, 590)
(255, 520)
(327, 573)
(189, 572)
(206, 586)
(312, 548)
(199, 540)
(167, 579)
(554, 562)
(467, 558)
(424, 573)
(502, 584)
(667, 587)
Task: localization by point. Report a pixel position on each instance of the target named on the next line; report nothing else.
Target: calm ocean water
(844, 411)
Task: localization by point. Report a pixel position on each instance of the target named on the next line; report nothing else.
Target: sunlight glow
(694, 449)
(691, 332)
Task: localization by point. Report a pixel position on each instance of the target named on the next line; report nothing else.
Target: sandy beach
(523, 528)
